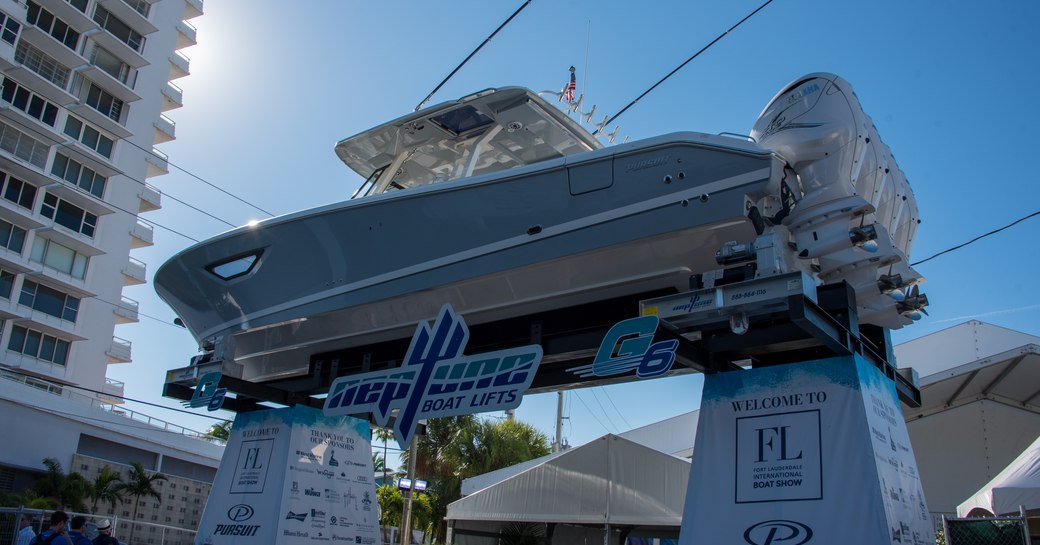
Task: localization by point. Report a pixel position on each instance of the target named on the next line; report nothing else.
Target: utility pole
(406, 533)
(558, 444)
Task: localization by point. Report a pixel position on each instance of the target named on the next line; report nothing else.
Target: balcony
(178, 65)
(186, 35)
(119, 351)
(165, 130)
(134, 272)
(112, 391)
(71, 14)
(127, 311)
(118, 47)
(51, 46)
(29, 125)
(60, 280)
(158, 163)
(127, 14)
(95, 117)
(105, 81)
(192, 8)
(151, 198)
(141, 235)
(173, 97)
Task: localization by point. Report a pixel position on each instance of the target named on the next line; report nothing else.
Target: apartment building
(84, 90)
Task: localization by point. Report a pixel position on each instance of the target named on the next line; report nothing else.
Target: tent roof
(1018, 484)
(1011, 377)
(607, 481)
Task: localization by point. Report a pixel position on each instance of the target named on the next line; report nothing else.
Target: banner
(293, 476)
(806, 453)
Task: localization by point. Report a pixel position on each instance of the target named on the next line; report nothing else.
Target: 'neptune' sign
(437, 380)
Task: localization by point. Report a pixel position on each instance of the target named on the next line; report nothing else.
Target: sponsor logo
(366, 501)
(629, 346)
(304, 455)
(317, 514)
(697, 301)
(207, 393)
(342, 522)
(301, 469)
(364, 540)
(240, 512)
(311, 492)
(296, 516)
(333, 462)
(342, 538)
(437, 380)
(332, 495)
(244, 530)
(780, 532)
(326, 473)
(295, 533)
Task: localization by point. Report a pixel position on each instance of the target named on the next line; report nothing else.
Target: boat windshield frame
(486, 132)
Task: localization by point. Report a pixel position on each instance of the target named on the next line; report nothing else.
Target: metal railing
(144, 533)
(69, 393)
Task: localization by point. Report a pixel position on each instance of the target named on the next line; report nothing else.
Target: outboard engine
(853, 213)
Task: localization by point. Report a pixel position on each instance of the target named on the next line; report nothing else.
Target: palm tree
(106, 487)
(219, 433)
(384, 435)
(66, 491)
(140, 484)
(458, 447)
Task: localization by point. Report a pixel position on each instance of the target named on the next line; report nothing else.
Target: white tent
(1018, 484)
(608, 483)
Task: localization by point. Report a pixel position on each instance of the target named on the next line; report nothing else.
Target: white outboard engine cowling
(854, 213)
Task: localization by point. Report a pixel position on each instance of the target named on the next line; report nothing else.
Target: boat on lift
(504, 206)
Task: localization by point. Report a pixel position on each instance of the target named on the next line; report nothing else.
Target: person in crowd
(105, 534)
(55, 534)
(26, 534)
(77, 535)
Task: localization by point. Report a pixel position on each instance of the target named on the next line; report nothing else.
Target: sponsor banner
(293, 476)
(437, 380)
(806, 453)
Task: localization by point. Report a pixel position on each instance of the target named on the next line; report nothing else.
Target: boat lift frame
(748, 324)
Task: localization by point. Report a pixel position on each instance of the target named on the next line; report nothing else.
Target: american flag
(568, 90)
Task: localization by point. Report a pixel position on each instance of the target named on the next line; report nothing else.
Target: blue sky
(951, 87)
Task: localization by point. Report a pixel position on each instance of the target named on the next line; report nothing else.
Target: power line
(976, 239)
(591, 412)
(622, 415)
(680, 67)
(604, 410)
(197, 177)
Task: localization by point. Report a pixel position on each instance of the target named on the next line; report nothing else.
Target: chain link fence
(986, 531)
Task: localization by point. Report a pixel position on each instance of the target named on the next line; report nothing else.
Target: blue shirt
(59, 540)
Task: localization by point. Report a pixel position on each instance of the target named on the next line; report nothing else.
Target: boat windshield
(462, 140)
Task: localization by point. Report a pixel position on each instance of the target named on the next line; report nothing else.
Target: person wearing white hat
(104, 537)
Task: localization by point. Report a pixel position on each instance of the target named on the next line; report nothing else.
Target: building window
(8, 28)
(49, 301)
(23, 146)
(76, 174)
(89, 136)
(41, 63)
(6, 283)
(104, 102)
(39, 345)
(111, 64)
(68, 215)
(118, 28)
(12, 237)
(28, 102)
(140, 6)
(59, 257)
(21, 193)
(52, 25)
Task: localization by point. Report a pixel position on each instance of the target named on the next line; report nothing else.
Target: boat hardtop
(488, 131)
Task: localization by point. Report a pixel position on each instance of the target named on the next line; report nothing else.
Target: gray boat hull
(593, 226)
